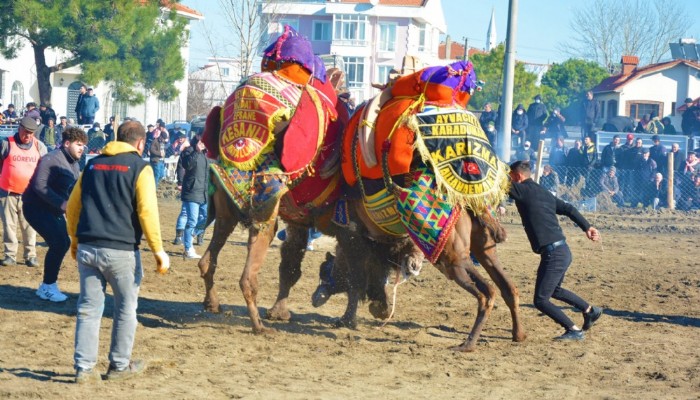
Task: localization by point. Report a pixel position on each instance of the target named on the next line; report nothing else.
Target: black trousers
(550, 276)
(52, 228)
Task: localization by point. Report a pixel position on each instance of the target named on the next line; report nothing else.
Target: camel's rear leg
(227, 217)
(292, 253)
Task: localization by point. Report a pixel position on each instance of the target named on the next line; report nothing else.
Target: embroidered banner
(250, 115)
(452, 141)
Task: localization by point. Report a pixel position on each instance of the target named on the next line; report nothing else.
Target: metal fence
(597, 189)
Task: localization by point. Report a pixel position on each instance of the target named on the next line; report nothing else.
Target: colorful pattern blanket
(426, 214)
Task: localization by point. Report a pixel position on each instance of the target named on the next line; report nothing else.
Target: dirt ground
(645, 274)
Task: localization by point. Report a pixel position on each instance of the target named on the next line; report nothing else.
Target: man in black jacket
(538, 210)
(194, 195)
(44, 204)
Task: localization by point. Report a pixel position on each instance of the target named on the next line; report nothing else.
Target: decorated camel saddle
(276, 136)
(419, 158)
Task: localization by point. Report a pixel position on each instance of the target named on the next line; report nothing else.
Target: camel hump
(212, 130)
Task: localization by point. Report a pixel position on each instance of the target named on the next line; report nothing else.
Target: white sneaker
(191, 254)
(51, 293)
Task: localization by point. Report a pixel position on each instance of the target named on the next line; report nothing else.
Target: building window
(354, 71)
(321, 31)
(422, 37)
(225, 71)
(119, 109)
(72, 100)
(349, 27)
(601, 107)
(673, 108)
(17, 96)
(387, 37)
(612, 109)
(383, 73)
(638, 109)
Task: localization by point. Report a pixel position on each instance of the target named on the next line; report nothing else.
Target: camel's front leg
(259, 237)
(227, 217)
(293, 249)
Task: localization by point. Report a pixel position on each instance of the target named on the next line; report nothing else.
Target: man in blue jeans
(194, 195)
(111, 207)
(44, 203)
(538, 209)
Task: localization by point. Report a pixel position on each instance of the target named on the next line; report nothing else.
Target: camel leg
(456, 265)
(484, 249)
(259, 238)
(292, 253)
(470, 280)
(227, 217)
(355, 276)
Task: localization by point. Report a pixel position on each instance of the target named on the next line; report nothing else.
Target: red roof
(456, 51)
(176, 6)
(616, 82)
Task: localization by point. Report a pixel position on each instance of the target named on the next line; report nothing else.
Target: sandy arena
(645, 274)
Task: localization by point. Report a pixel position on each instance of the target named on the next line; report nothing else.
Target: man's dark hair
(130, 132)
(522, 167)
(616, 137)
(73, 134)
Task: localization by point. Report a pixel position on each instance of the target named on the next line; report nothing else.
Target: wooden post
(115, 125)
(669, 178)
(538, 168)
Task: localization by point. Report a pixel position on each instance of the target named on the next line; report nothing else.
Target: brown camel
(363, 276)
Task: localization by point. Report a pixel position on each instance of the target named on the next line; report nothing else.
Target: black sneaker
(8, 261)
(135, 367)
(591, 317)
(200, 239)
(177, 241)
(32, 262)
(571, 335)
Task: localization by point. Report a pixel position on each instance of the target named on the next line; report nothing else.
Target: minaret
(491, 33)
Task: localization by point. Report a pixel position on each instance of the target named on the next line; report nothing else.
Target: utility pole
(466, 49)
(506, 108)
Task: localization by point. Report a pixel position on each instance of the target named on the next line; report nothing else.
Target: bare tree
(608, 29)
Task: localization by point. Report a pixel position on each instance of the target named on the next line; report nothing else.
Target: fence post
(538, 166)
(669, 178)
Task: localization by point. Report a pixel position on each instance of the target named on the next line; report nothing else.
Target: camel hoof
(264, 330)
(519, 337)
(464, 348)
(346, 323)
(212, 307)
(275, 314)
(379, 309)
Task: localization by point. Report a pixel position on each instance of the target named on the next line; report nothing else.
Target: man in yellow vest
(19, 156)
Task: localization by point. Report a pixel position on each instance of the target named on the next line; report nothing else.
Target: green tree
(564, 85)
(126, 42)
(489, 69)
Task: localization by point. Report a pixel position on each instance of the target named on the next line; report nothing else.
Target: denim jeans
(158, 171)
(550, 276)
(123, 271)
(192, 218)
(52, 228)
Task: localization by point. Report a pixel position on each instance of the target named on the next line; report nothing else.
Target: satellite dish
(374, 2)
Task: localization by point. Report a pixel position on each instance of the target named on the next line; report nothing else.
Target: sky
(543, 26)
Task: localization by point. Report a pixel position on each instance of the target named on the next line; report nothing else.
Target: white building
(18, 85)
(368, 37)
(659, 88)
(213, 83)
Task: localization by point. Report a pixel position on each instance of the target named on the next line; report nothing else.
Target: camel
(258, 177)
(430, 102)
